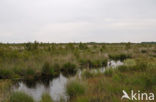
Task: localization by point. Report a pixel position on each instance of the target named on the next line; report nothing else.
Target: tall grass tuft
(5, 73)
(75, 88)
(47, 70)
(87, 74)
(46, 98)
(108, 72)
(121, 56)
(29, 74)
(20, 97)
(69, 69)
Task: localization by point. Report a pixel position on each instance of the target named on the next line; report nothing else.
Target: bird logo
(125, 95)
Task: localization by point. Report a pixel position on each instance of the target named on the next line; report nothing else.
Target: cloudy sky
(77, 20)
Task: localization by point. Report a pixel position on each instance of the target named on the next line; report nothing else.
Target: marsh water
(55, 87)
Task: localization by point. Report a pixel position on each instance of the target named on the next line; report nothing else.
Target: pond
(55, 87)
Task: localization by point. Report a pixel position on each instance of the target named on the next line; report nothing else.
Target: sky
(77, 21)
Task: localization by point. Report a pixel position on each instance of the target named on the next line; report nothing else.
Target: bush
(46, 98)
(20, 97)
(69, 68)
(75, 88)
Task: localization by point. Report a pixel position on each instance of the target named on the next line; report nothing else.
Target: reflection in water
(56, 89)
(110, 64)
(114, 64)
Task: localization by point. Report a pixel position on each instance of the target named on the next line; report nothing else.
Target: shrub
(20, 97)
(46, 98)
(75, 88)
(69, 68)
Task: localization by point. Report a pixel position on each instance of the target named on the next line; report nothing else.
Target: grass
(5, 90)
(87, 74)
(75, 88)
(36, 61)
(108, 72)
(46, 98)
(69, 68)
(47, 70)
(121, 56)
(5, 73)
(108, 86)
(20, 97)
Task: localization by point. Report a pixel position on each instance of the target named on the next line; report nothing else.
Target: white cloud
(77, 20)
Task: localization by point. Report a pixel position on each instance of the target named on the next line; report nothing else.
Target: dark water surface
(55, 87)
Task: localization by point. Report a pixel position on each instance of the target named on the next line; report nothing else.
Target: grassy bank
(40, 61)
(107, 87)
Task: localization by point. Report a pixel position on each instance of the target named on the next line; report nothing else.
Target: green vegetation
(75, 88)
(119, 56)
(108, 72)
(40, 61)
(87, 74)
(134, 75)
(20, 97)
(46, 98)
(69, 68)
